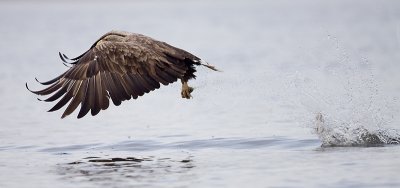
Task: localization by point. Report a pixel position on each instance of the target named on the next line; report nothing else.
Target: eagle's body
(120, 65)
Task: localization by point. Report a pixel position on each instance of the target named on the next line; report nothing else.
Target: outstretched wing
(118, 70)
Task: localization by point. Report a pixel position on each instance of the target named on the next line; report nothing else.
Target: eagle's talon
(186, 94)
(190, 90)
(186, 90)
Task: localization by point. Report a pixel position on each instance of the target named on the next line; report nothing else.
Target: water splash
(344, 102)
(333, 133)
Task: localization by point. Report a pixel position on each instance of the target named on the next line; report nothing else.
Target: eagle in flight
(119, 65)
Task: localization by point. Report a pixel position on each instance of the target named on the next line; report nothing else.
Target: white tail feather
(204, 63)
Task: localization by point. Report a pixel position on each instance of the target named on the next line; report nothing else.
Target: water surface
(251, 125)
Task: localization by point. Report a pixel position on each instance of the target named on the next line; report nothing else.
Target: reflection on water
(127, 171)
(155, 170)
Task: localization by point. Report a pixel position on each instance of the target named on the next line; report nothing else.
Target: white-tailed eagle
(120, 65)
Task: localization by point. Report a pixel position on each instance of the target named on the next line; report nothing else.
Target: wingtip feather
(26, 85)
(64, 115)
(38, 80)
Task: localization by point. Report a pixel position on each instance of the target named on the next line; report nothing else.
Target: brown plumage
(120, 65)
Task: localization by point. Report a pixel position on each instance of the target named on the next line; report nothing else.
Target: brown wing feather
(67, 97)
(78, 94)
(120, 67)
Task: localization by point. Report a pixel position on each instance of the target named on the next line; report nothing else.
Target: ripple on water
(69, 148)
(220, 143)
(199, 144)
